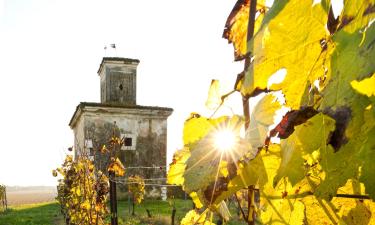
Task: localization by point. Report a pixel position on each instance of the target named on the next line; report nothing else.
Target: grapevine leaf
(300, 143)
(214, 95)
(349, 211)
(365, 86)
(353, 59)
(276, 208)
(366, 155)
(194, 218)
(136, 186)
(289, 38)
(261, 118)
(196, 199)
(291, 119)
(206, 161)
(177, 167)
(257, 171)
(352, 160)
(197, 127)
(356, 14)
(223, 211)
(116, 167)
(237, 23)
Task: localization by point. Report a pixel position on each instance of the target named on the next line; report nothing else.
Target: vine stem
(246, 106)
(239, 206)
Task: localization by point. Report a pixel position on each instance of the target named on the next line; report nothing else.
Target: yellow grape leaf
(356, 14)
(54, 173)
(277, 208)
(365, 86)
(196, 199)
(223, 168)
(86, 205)
(214, 95)
(339, 210)
(197, 127)
(261, 118)
(258, 171)
(136, 186)
(177, 167)
(116, 167)
(205, 162)
(289, 38)
(194, 218)
(237, 23)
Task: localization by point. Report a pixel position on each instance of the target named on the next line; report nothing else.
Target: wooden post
(173, 214)
(6, 200)
(113, 198)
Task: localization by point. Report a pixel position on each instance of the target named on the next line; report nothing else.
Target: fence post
(113, 198)
(5, 196)
(173, 214)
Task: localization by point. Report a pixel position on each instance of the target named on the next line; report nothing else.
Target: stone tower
(144, 128)
(118, 80)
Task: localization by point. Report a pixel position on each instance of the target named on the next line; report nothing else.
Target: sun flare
(225, 140)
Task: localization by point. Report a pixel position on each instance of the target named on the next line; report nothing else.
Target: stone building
(144, 128)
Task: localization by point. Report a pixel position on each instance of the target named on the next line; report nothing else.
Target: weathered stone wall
(147, 127)
(150, 135)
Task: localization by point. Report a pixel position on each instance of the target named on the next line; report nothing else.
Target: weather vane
(111, 46)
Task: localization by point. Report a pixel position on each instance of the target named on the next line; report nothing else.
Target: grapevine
(314, 166)
(83, 191)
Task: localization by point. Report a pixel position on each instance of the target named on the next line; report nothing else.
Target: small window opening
(121, 87)
(128, 141)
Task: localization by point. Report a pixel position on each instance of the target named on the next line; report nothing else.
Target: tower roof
(117, 60)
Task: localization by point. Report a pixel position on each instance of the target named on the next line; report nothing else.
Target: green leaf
(307, 137)
(352, 59)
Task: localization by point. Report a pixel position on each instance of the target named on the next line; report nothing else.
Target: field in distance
(30, 195)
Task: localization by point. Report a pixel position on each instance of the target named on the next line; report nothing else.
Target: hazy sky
(50, 51)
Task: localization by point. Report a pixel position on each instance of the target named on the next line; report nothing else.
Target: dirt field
(28, 195)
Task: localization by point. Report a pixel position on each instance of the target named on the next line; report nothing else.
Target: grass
(49, 214)
(32, 214)
(161, 212)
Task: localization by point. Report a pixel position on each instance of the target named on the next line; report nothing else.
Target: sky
(50, 51)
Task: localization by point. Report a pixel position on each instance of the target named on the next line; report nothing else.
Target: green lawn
(49, 214)
(32, 214)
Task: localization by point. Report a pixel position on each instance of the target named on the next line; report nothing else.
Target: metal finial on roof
(112, 46)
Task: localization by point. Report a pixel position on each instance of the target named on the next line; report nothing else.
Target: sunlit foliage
(136, 186)
(315, 165)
